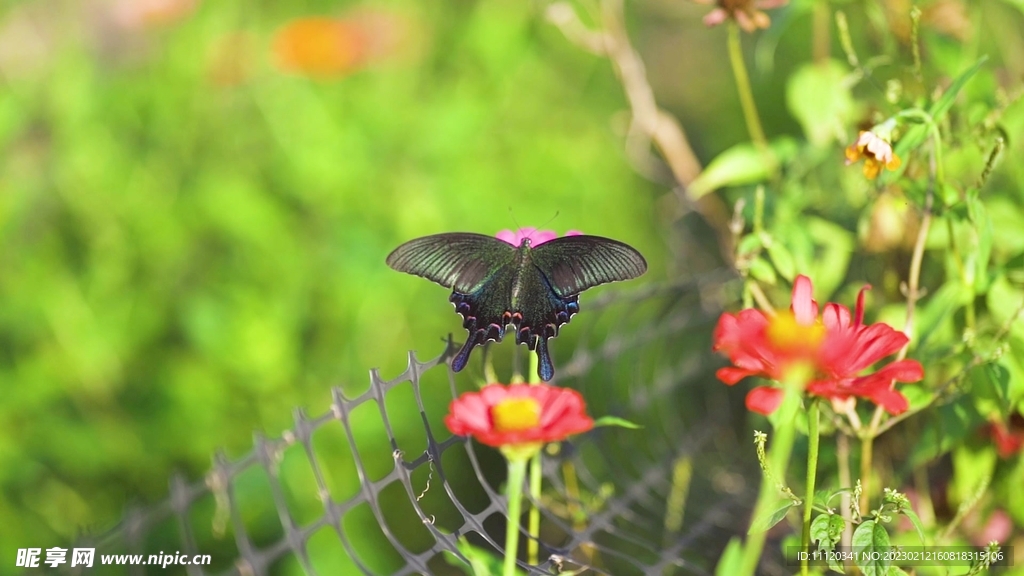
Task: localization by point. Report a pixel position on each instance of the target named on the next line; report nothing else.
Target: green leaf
(783, 260)
(749, 244)
(819, 98)
(766, 520)
(1007, 224)
(990, 386)
(833, 247)
(916, 521)
(983, 246)
(870, 543)
(742, 164)
(762, 271)
(942, 105)
(731, 560)
(827, 531)
(956, 421)
(836, 525)
(971, 468)
(819, 531)
(938, 311)
(919, 132)
(616, 421)
(1004, 299)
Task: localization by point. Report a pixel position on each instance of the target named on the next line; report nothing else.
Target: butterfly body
(534, 290)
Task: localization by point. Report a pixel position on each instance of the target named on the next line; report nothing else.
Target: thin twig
(759, 296)
(913, 292)
(649, 123)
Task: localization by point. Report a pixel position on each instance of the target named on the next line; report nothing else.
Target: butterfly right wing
(572, 264)
(477, 268)
(461, 261)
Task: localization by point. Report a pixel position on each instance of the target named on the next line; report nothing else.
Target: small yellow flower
(876, 152)
(747, 13)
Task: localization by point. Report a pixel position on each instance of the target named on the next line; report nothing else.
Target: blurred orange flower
(321, 46)
(876, 151)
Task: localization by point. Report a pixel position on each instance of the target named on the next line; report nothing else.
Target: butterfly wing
(539, 312)
(561, 269)
(478, 269)
(572, 264)
(460, 261)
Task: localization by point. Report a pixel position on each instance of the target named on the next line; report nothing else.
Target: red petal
(804, 308)
(859, 321)
(893, 402)
(726, 334)
(846, 357)
(902, 371)
(764, 400)
(835, 317)
(731, 375)
(468, 414)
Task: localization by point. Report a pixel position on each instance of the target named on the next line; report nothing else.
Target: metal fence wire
(376, 493)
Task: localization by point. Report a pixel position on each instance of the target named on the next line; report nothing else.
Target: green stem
(812, 470)
(778, 459)
(533, 546)
(866, 454)
(516, 475)
(739, 70)
(821, 42)
(536, 478)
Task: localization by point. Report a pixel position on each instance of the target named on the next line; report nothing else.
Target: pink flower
(518, 414)
(537, 237)
(747, 13)
(836, 348)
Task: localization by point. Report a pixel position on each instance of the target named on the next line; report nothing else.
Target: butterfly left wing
(477, 268)
(460, 261)
(572, 264)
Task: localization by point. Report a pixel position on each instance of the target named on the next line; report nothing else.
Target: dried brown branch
(649, 124)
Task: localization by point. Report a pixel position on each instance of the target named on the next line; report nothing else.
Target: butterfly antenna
(550, 220)
(512, 215)
(535, 230)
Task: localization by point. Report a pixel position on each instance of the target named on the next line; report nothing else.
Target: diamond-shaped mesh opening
(361, 488)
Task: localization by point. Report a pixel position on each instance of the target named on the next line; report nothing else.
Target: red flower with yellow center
(833, 349)
(518, 415)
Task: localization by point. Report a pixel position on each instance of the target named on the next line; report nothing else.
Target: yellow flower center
(788, 335)
(516, 414)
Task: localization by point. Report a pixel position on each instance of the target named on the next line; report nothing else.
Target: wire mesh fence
(363, 489)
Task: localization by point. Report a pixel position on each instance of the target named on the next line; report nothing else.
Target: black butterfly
(495, 284)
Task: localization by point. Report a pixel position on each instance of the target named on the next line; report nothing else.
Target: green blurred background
(195, 206)
(192, 235)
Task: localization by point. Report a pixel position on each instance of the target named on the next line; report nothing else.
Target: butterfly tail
(460, 360)
(545, 369)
